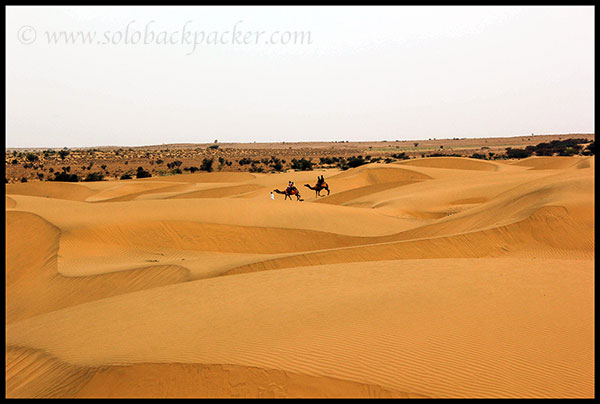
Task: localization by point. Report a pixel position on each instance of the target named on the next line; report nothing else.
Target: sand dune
(437, 277)
(454, 163)
(550, 163)
(57, 190)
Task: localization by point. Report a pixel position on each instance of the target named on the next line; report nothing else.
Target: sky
(133, 76)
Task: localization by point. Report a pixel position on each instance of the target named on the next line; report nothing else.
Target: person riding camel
(290, 187)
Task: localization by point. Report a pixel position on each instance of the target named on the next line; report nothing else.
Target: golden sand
(438, 277)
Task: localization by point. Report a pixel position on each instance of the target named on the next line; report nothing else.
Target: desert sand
(435, 277)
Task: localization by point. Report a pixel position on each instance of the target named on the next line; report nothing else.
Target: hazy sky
(135, 77)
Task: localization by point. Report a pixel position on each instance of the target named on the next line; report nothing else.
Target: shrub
(214, 146)
(141, 173)
(174, 164)
(327, 160)
(302, 164)
(356, 161)
(567, 147)
(125, 177)
(64, 177)
(590, 150)
(443, 155)
(517, 153)
(63, 153)
(277, 166)
(244, 161)
(400, 156)
(478, 156)
(569, 151)
(23, 179)
(94, 177)
(207, 165)
(31, 157)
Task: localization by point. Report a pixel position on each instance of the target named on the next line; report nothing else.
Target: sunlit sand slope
(439, 328)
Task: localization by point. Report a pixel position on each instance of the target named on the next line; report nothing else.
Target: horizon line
(296, 142)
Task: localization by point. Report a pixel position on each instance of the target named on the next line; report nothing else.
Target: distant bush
(277, 166)
(567, 147)
(245, 161)
(207, 165)
(302, 164)
(23, 179)
(31, 157)
(353, 161)
(94, 177)
(63, 153)
(590, 150)
(141, 173)
(214, 146)
(400, 156)
(478, 156)
(568, 151)
(126, 177)
(328, 160)
(443, 155)
(64, 177)
(517, 153)
(174, 164)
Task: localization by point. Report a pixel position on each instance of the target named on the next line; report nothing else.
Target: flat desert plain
(435, 277)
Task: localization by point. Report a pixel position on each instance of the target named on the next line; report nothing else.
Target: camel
(318, 188)
(293, 191)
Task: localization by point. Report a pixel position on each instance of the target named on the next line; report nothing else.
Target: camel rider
(290, 186)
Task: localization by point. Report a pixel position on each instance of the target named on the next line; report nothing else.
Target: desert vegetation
(98, 164)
